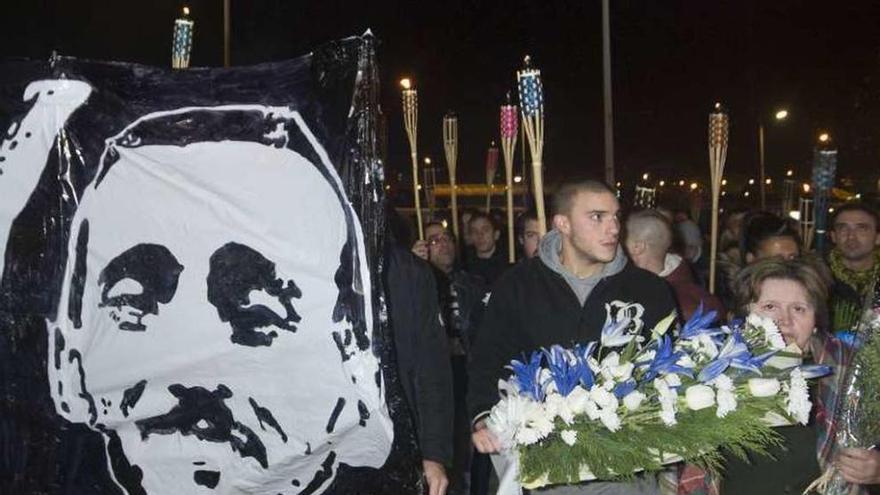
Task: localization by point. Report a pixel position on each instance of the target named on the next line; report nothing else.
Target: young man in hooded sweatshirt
(580, 279)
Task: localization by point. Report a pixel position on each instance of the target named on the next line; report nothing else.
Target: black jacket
(532, 306)
(422, 351)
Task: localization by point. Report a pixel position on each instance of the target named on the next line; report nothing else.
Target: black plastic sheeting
(335, 89)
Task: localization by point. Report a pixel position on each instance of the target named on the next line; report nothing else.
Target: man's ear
(833, 236)
(497, 235)
(635, 248)
(562, 224)
(749, 258)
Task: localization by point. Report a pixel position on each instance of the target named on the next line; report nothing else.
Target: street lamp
(824, 137)
(780, 115)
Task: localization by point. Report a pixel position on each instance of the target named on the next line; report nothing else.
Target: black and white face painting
(207, 318)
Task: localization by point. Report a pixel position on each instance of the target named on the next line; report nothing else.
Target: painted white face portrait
(212, 323)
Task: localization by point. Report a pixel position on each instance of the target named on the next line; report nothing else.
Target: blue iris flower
(699, 323)
(815, 370)
(623, 389)
(734, 354)
(614, 333)
(527, 374)
(585, 374)
(563, 368)
(665, 360)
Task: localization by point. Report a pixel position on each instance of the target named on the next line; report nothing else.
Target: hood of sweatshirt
(549, 250)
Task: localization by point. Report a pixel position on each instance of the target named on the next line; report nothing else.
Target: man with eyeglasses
(461, 305)
(854, 261)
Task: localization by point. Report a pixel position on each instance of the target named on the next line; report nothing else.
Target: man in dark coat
(422, 359)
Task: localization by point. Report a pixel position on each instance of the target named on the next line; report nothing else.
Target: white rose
(610, 419)
(577, 400)
(764, 387)
(699, 397)
(569, 437)
(633, 400)
(672, 380)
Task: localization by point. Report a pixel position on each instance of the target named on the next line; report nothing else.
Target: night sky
(671, 61)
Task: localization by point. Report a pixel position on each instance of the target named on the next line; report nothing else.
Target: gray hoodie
(551, 247)
(548, 251)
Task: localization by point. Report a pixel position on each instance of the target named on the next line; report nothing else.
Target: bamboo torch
(509, 130)
(181, 40)
(531, 101)
(491, 170)
(411, 123)
(450, 146)
(719, 127)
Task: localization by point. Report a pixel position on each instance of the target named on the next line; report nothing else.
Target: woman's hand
(861, 466)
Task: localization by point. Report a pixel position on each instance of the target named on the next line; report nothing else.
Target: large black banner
(191, 297)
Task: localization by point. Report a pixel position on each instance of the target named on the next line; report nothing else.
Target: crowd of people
(597, 262)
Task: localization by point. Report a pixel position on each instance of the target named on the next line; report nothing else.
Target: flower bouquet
(629, 403)
(857, 411)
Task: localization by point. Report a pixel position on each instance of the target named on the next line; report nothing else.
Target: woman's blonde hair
(747, 288)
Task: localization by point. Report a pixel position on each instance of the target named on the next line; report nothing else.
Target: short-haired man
(528, 234)
(488, 261)
(854, 261)
(648, 243)
(580, 279)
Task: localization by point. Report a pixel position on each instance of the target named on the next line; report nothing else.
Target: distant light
(718, 106)
(789, 173)
(420, 187)
(723, 182)
(751, 182)
(746, 194)
(824, 137)
(794, 214)
(767, 181)
(388, 187)
(693, 185)
(681, 183)
(645, 176)
(618, 184)
(405, 83)
(724, 193)
(185, 10)
(830, 210)
(806, 187)
(517, 178)
(662, 183)
(858, 195)
(444, 223)
(781, 115)
(427, 160)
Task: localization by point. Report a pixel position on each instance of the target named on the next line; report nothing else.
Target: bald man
(648, 241)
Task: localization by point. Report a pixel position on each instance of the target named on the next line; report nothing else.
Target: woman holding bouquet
(794, 295)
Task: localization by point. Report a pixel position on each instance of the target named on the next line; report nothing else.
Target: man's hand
(435, 475)
(484, 440)
(420, 249)
(860, 466)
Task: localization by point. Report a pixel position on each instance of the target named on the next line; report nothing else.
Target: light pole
(780, 115)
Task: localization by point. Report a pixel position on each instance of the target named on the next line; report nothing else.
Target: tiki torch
(491, 170)
(531, 101)
(509, 130)
(450, 146)
(719, 127)
(824, 172)
(181, 41)
(411, 123)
